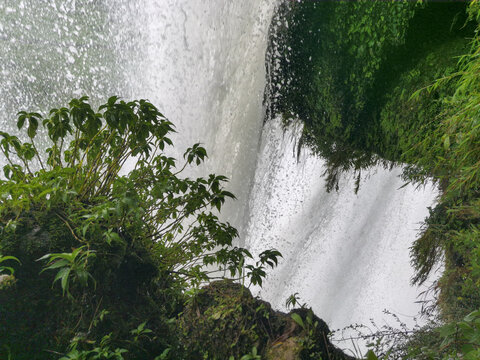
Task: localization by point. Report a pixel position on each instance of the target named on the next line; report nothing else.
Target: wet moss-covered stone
(285, 350)
(224, 320)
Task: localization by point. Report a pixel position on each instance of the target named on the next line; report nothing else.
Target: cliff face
(224, 320)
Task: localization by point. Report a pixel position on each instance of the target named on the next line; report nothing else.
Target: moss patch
(224, 320)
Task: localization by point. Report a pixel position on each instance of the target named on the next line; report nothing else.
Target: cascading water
(51, 51)
(345, 254)
(203, 64)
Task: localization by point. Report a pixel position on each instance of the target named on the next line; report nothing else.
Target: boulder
(223, 320)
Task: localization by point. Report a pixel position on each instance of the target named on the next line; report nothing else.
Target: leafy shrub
(128, 244)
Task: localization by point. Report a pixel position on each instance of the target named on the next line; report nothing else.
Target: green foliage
(462, 337)
(406, 120)
(355, 96)
(292, 301)
(257, 272)
(449, 153)
(224, 321)
(349, 67)
(253, 355)
(81, 183)
(101, 351)
(140, 331)
(298, 319)
(4, 268)
(139, 237)
(70, 265)
(454, 340)
(313, 329)
(333, 53)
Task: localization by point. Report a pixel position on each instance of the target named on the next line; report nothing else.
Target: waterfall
(345, 254)
(203, 64)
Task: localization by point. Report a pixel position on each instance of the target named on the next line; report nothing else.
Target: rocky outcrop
(224, 320)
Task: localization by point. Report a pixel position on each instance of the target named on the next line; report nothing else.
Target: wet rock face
(225, 320)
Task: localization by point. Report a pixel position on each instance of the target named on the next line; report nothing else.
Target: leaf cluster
(69, 204)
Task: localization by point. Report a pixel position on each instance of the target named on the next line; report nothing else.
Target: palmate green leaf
(256, 274)
(57, 264)
(112, 100)
(92, 126)
(270, 257)
(298, 319)
(7, 268)
(371, 355)
(21, 120)
(32, 126)
(63, 275)
(5, 258)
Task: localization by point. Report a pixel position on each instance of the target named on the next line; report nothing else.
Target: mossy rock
(34, 316)
(289, 349)
(224, 320)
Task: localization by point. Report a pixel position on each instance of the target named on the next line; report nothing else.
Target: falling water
(203, 64)
(345, 254)
(51, 51)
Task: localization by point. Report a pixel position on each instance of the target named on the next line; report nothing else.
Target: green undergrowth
(346, 67)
